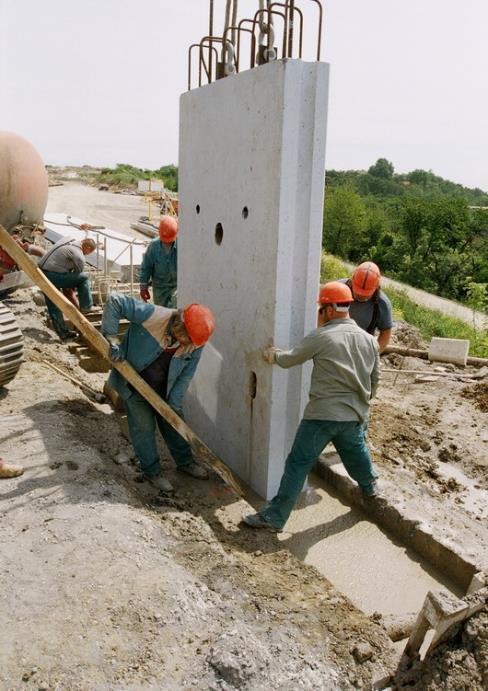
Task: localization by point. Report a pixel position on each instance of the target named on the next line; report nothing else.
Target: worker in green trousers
(345, 377)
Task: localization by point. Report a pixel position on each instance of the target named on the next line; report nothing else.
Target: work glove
(114, 351)
(145, 295)
(269, 354)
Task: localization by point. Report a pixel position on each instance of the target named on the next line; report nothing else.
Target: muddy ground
(105, 584)
(108, 585)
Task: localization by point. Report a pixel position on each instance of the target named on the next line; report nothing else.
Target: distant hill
(382, 182)
(419, 228)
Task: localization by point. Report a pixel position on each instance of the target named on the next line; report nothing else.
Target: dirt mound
(478, 394)
(460, 664)
(405, 334)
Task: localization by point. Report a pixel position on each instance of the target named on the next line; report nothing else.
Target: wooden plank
(424, 355)
(96, 339)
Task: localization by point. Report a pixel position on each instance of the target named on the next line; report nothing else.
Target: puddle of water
(375, 572)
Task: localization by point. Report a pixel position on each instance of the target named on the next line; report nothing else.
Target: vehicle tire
(11, 345)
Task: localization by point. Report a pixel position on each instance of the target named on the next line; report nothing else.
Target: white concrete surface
(252, 150)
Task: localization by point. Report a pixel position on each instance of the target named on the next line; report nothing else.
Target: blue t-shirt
(363, 312)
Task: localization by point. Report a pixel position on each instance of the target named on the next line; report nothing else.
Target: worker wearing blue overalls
(164, 346)
(159, 265)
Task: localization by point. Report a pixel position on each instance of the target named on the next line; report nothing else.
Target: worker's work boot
(255, 520)
(160, 483)
(8, 470)
(370, 490)
(194, 470)
(88, 310)
(69, 336)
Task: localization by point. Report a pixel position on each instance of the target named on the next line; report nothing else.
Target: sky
(98, 81)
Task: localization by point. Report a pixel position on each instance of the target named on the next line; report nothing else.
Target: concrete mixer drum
(23, 199)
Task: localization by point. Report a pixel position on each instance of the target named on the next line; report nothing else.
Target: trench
(376, 571)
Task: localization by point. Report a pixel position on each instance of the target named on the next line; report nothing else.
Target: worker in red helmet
(159, 265)
(164, 346)
(371, 308)
(344, 378)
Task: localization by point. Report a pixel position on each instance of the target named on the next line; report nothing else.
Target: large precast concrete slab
(252, 166)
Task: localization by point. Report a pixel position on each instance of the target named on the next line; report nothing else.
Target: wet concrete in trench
(374, 570)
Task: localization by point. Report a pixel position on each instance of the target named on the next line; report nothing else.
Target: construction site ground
(106, 584)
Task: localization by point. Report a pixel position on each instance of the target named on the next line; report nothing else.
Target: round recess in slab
(219, 233)
(245, 212)
(253, 384)
(197, 208)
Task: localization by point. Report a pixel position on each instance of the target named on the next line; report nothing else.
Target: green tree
(382, 169)
(343, 220)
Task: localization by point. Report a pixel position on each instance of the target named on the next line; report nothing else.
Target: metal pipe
(210, 33)
(233, 22)
(98, 251)
(300, 16)
(321, 13)
(291, 6)
(131, 262)
(240, 29)
(105, 257)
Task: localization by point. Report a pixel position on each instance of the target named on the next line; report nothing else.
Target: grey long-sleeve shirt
(345, 373)
(65, 256)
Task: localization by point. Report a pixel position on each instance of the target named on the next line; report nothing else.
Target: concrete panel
(252, 165)
(453, 350)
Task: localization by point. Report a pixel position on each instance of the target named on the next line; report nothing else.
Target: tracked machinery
(23, 199)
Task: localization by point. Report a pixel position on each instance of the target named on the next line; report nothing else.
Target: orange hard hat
(366, 279)
(335, 293)
(168, 229)
(199, 323)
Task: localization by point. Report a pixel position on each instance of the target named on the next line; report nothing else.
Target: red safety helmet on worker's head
(168, 229)
(336, 294)
(199, 323)
(365, 280)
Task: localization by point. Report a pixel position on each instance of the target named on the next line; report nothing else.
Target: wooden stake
(24, 262)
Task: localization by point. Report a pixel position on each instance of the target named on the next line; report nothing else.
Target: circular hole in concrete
(253, 383)
(219, 233)
(197, 208)
(245, 212)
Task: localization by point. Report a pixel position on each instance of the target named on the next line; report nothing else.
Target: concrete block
(251, 183)
(453, 350)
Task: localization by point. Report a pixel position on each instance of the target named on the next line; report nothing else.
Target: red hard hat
(335, 292)
(365, 279)
(199, 323)
(168, 229)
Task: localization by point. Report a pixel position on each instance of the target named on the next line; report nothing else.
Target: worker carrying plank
(344, 378)
(164, 346)
(159, 265)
